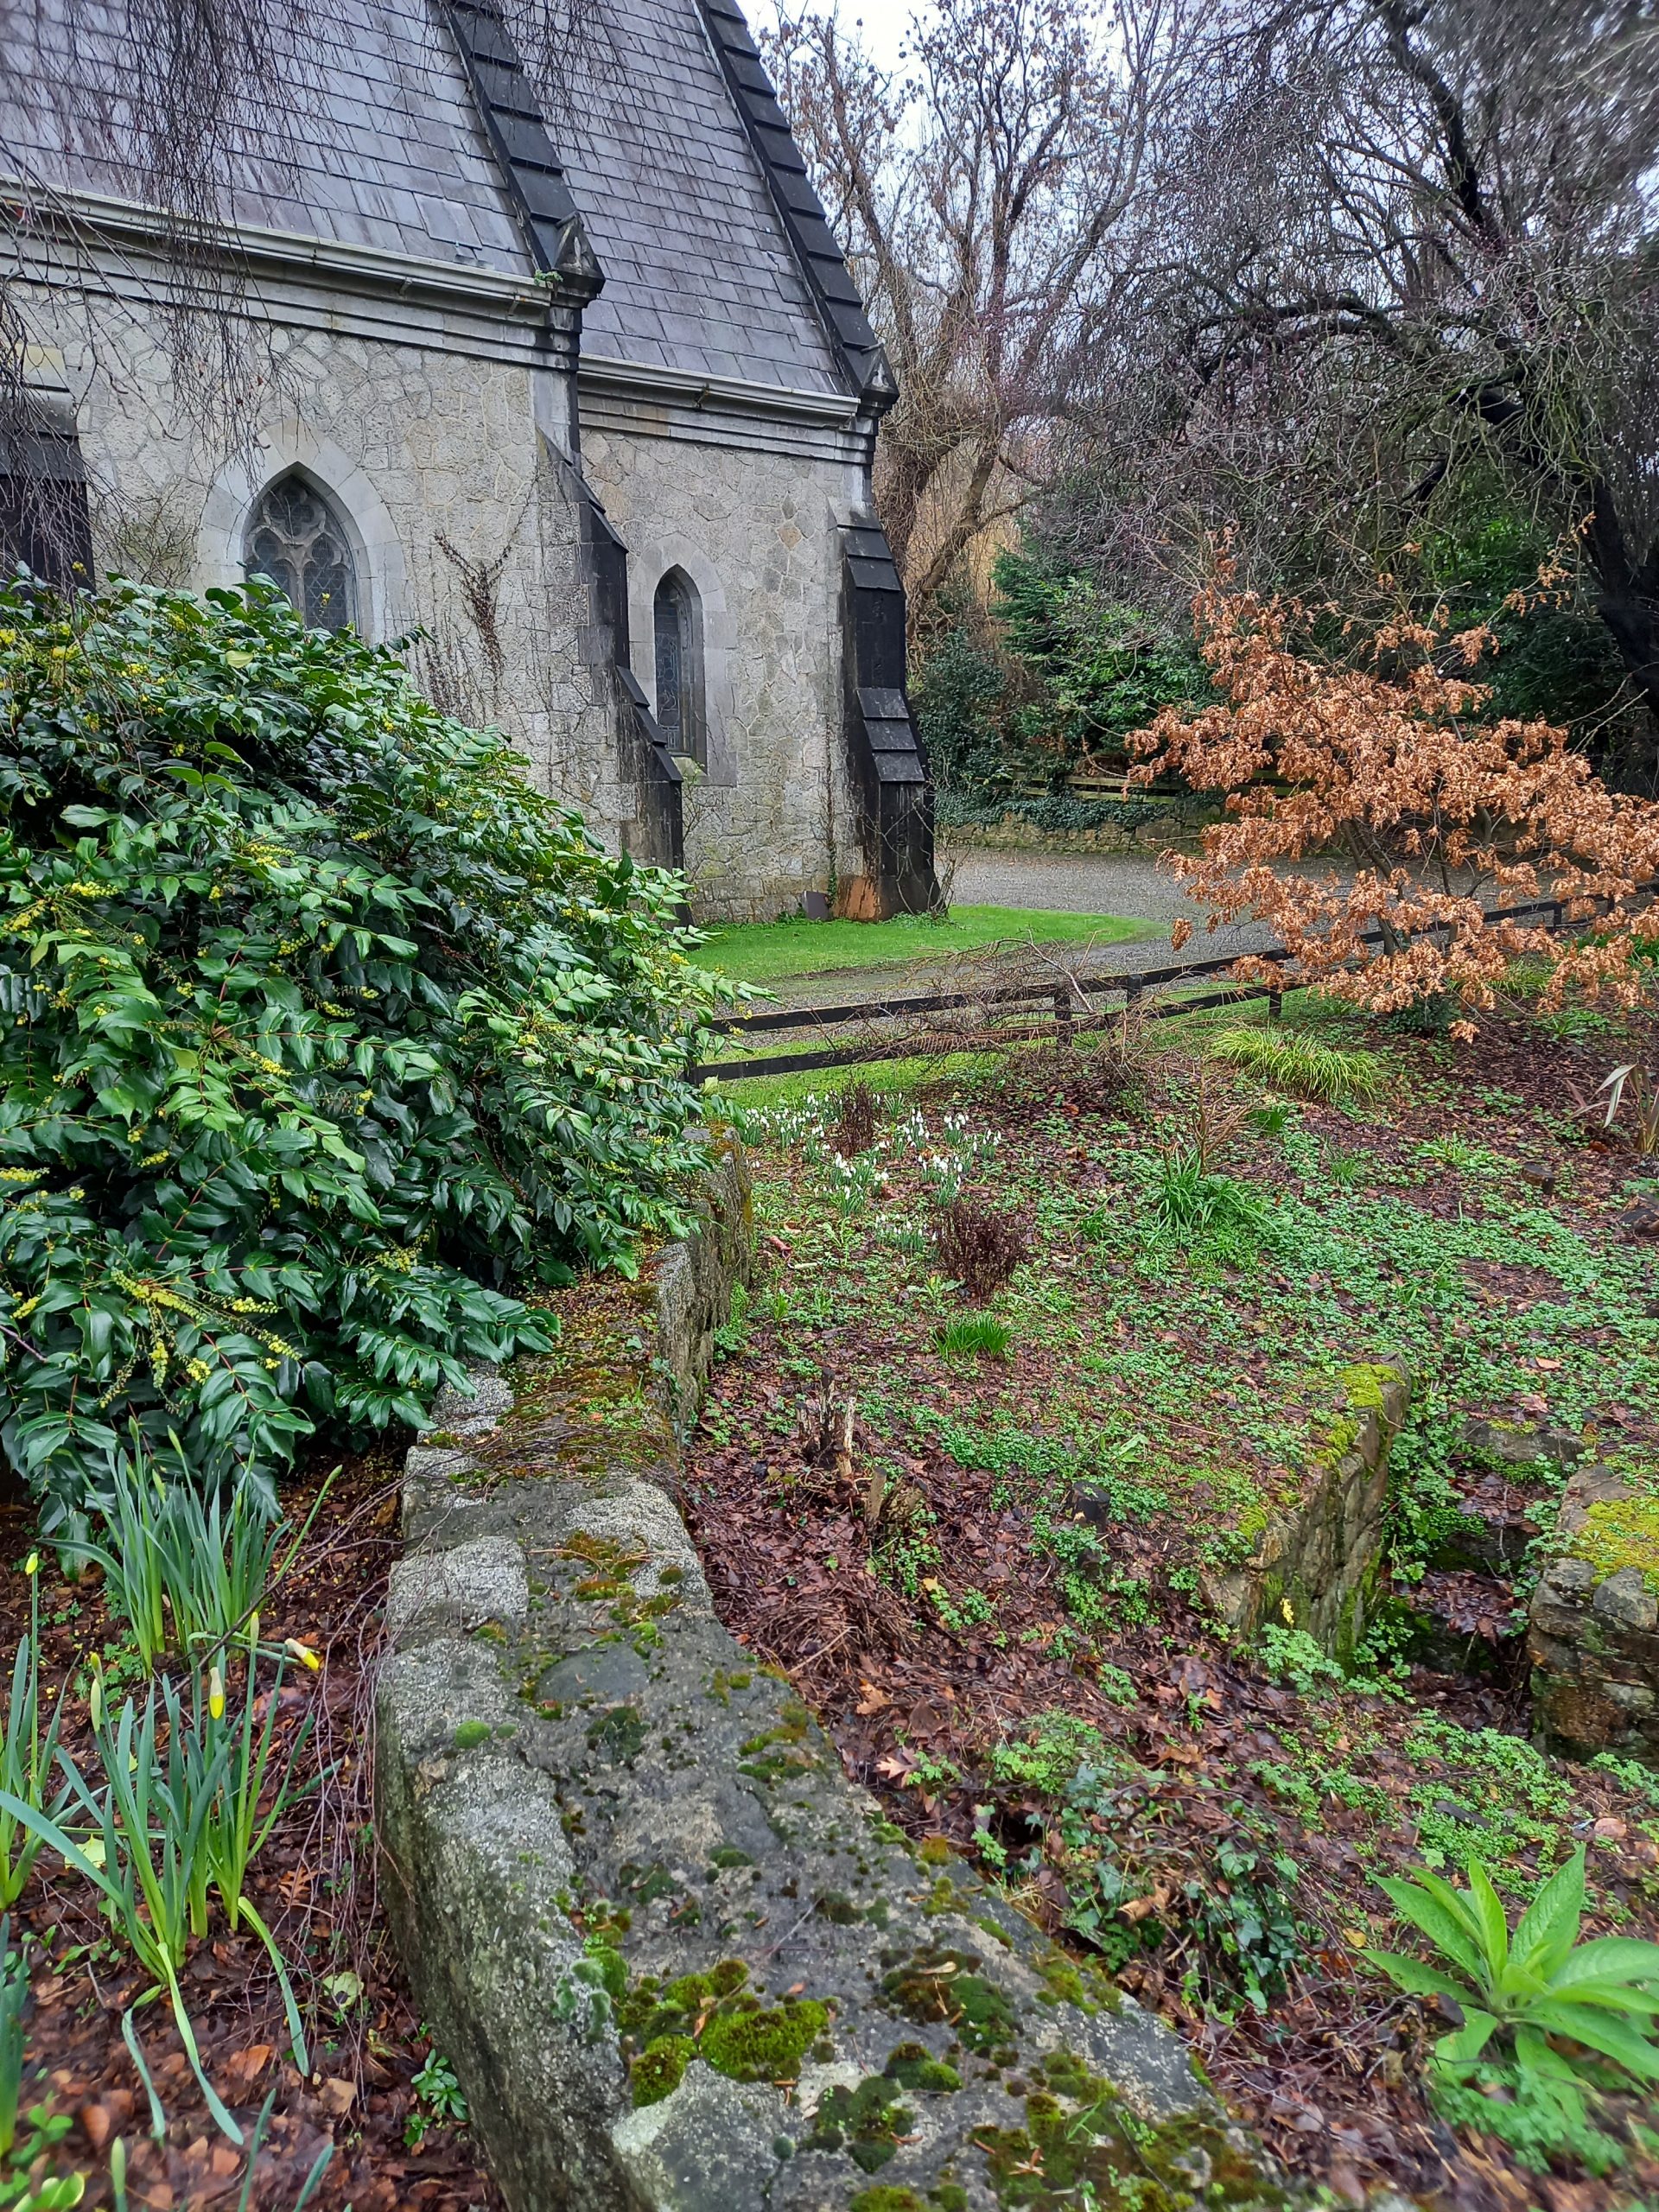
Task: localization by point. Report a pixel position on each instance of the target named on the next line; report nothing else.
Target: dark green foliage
(1556, 661)
(1242, 1930)
(1078, 673)
(321, 1029)
(1104, 669)
(957, 694)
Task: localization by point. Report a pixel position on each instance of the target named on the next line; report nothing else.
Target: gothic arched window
(297, 539)
(678, 621)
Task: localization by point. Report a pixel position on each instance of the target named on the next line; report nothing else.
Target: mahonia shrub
(321, 1032)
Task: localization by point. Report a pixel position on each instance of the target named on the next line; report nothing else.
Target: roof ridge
(829, 282)
(532, 174)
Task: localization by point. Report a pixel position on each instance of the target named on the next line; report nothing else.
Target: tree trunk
(1629, 604)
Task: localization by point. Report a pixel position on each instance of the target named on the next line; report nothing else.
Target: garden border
(1069, 998)
(545, 1883)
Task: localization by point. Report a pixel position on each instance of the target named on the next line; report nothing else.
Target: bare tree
(980, 188)
(1398, 252)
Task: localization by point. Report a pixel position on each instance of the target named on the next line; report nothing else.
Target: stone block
(1314, 1561)
(1593, 1631)
(462, 1588)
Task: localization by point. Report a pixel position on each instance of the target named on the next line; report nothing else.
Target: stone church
(587, 398)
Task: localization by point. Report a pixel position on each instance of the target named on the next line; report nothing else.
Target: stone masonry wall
(1594, 1634)
(756, 533)
(412, 443)
(1312, 1564)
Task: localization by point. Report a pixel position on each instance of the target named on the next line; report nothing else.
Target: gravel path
(1066, 883)
(1078, 883)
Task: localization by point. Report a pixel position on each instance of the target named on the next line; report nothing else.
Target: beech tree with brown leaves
(1386, 756)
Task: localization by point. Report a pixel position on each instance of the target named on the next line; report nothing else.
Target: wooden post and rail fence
(1071, 998)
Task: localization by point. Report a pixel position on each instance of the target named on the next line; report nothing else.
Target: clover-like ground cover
(1054, 1694)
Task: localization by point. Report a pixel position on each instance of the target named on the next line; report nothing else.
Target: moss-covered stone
(660, 2068)
(913, 2067)
(766, 2044)
(866, 2122)
(1081, 2142)
(1620, 1533)
(945, 1986)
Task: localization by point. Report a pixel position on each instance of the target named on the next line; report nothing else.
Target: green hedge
(322, 1032)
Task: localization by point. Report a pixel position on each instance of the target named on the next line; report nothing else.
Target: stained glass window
(679, 666)
(296, 538)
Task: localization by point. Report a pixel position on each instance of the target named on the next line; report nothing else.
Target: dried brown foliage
(978, 1248)
(854, 1120)
(1386, 759)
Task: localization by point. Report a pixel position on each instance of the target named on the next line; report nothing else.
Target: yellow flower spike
(303, 1653)
(253, 1632)
(216, 1694)
(1285, 1608)
(32, 1564)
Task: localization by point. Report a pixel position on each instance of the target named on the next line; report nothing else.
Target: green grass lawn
(761, 952)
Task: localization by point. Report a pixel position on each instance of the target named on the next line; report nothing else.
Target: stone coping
(677, 1957)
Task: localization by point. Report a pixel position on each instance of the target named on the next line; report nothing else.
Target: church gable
(701, 278)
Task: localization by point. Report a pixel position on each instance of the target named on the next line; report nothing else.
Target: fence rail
(1070, 997)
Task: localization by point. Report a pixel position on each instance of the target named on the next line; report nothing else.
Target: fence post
(1063, 1034)
(1275, 1002)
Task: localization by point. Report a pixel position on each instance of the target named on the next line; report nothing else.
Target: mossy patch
(470, 1734)
(946, 1985)
(866, 2122)
(716, 2017)
(660, 2068)
(913, 2066)
(617, 1736)
(766, 2044)
(1622, 1532)
(1082, 2143)
(884, 2198)
(778, 1753)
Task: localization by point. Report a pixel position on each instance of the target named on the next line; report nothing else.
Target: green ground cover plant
(324, 1033)
(1207, 1812)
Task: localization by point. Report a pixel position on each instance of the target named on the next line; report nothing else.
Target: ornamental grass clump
(1304, 1066)
(322, 1034)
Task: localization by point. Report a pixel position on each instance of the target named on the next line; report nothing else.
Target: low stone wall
(1315, 1563)
(677, 1957)
(1593, 1631)
(1177, 824)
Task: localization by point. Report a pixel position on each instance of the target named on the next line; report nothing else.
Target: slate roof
(699, 275)
(687, 184)
(381, 144)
